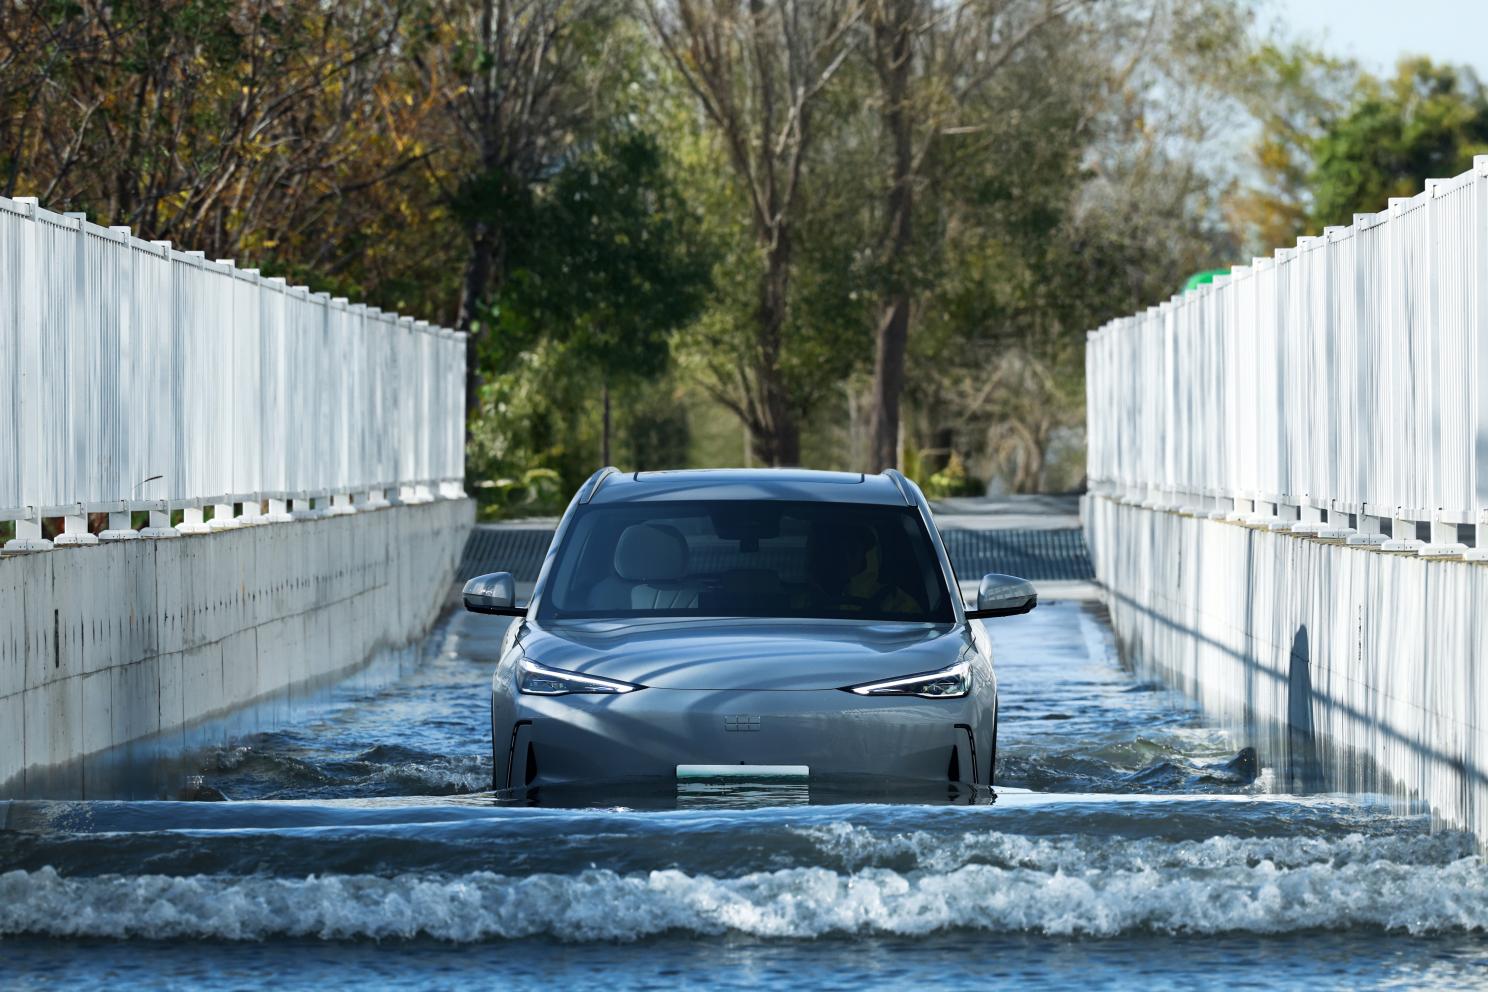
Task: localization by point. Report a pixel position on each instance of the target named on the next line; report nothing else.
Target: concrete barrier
(108, 644)
(1362, 669)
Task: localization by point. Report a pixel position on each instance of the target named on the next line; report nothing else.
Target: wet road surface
(1129, 845)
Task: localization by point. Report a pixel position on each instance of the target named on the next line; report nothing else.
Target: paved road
(1038, 512)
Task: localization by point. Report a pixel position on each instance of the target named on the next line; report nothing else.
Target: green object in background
(1203, 278)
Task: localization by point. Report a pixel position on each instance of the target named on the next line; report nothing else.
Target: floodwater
(1129, 845)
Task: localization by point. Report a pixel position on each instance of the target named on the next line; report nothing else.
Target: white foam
(853, 847)
(1218, 886)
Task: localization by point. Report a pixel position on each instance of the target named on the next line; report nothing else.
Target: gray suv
(755, 623)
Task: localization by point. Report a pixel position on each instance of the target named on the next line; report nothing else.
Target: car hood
(722, 654)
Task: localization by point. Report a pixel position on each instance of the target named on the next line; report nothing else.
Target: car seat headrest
(651, 553)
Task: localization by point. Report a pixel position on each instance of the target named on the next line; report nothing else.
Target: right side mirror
(495, 593)
(1003, 596)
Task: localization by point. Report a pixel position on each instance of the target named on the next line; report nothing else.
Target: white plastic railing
(135, 376)
(1340, 383)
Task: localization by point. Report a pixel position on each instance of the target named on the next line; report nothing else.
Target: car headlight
(535, 680)
(951, 683)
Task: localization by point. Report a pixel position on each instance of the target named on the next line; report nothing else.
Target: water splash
(1216, 887)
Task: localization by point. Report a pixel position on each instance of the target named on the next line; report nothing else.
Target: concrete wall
(1370, 665)
(104, 645)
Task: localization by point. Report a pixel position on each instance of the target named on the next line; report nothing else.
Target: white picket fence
(1339, 383)
(136, 376)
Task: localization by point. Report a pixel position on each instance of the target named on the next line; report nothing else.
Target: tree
(1427, 122)
(272, 133)
(932, 66)
(1076, 192)
(1335, 141)
(893, 24)
(200, 121)
(527, 90)
(758, 71)
(1293, 93)
(607, 267)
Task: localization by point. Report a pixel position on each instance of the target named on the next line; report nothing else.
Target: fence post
(224, 517)
(1443, 543)
(1370, 529)
(1287, 516)
(28, 539)
(1479, 550)
(1310, 520)
(1402, 533)
(307, 507)
(120, 526)
(193, 521)
(160, 528)
(75, 529)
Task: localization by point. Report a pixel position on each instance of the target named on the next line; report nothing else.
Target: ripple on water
(1069, 885)
(371, 823)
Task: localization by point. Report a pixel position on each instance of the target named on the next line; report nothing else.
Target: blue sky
(1378, 32)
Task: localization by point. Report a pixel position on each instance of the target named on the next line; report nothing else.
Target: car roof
(802, 485)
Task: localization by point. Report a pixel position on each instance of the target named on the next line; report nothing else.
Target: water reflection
(1303, 771)
(1119, 813)
(735, 794)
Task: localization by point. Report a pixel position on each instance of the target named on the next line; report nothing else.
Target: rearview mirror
(1003, 596)
(495, 593)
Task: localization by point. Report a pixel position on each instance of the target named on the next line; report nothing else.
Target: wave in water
(1210, 889)
(242, 772)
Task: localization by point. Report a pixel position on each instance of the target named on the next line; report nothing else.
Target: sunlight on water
(1126, 840)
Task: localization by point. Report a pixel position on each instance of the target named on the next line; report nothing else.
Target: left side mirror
(495, 593)
(1003, 596)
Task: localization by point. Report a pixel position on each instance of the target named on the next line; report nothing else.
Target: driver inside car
(846, 572)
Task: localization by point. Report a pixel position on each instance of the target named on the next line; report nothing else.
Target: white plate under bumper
(749, 772)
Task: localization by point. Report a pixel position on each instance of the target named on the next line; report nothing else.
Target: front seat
(654, 557)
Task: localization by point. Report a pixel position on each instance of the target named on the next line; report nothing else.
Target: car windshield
(755, 558)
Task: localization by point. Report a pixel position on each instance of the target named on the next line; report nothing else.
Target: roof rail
(900, 483)
(588, 489)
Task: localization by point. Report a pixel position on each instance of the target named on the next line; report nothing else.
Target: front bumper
(647, 734)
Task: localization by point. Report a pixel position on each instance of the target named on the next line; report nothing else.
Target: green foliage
(535, 414)
(655, 430)
(537, 491)
(604, 260)
(952, 480)
(912, 464)
(1335, 141)
(1292, 91)
(603, 264)
(1427, 122)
